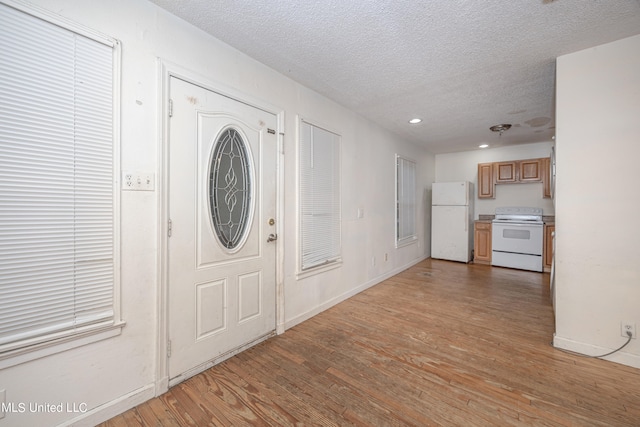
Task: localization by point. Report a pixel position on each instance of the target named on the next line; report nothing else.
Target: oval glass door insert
(230, 187)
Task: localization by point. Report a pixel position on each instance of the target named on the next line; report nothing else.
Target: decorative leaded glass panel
(230, 187)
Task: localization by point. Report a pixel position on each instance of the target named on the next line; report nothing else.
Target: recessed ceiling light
(415, 121)
(483, 146)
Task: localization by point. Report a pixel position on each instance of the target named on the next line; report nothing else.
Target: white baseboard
(162, 385)
(111, 409)
(340, 298)
(621, 357)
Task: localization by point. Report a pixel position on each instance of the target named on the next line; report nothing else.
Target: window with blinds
(57, 192)
(319, 178)
(405, 201)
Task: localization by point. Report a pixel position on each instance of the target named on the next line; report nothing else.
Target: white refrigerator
(452, 220)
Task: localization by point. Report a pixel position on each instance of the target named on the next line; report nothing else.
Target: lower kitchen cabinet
(547, 252)
(482, 242)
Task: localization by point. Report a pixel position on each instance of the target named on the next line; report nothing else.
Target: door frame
(166, 70)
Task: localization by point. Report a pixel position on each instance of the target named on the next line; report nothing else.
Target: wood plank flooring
(440, 344)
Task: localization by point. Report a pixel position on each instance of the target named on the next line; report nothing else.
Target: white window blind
(57, 258)
(405, 201)
(319, 196)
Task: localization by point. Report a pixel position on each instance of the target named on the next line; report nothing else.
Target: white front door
(222, 206)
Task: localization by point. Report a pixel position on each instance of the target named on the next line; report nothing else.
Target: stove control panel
(524, 211)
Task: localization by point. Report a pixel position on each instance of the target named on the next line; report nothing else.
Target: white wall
(114, 374)
(598, 147)
(463, 166)
(368, 159)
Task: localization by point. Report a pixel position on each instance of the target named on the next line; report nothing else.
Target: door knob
(272, 237)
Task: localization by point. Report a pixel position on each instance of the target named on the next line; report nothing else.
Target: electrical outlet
(627, 327)
(138, 181)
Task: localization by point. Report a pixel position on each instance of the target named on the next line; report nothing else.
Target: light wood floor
(442, 343)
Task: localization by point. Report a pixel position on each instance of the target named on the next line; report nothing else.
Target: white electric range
(517, 238)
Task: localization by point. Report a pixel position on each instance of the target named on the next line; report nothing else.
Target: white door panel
(221, 272)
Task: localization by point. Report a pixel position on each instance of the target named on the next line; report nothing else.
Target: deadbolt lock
(272, 221)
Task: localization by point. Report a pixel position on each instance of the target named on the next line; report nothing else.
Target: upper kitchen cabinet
(530, 170)
(505, 172)
(485, 181)
(546, 178)
(512, 172)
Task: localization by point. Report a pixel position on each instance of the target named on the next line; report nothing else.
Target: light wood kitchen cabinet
(506, 172)
(482, 242)
(546, 178)
(530, 170)
(513, 172)
(547, 252)
(486, 184)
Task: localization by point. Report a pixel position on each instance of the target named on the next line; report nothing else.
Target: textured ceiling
(460, 65)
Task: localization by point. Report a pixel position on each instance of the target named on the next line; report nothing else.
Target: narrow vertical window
(57, 192)
(405, 201)
(319, 179)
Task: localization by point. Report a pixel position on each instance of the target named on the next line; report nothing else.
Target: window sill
(319, 269)
(406, 242)
(57, 344)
